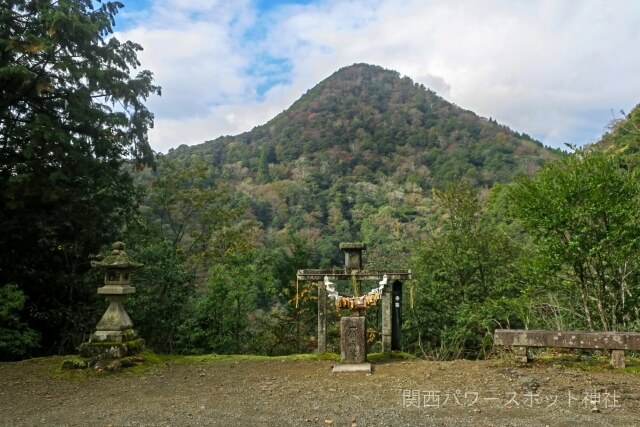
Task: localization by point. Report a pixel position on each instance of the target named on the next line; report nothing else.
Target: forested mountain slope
(356, 156)
(624, 135)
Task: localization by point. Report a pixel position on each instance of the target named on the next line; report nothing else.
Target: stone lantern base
(95, 351)
(114, 337)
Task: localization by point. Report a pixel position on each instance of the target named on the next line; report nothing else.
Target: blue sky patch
(269, 71)
(264, 5)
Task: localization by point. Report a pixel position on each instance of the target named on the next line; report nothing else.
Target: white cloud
(553, 69)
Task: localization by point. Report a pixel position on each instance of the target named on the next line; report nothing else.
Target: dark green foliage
(263, 176)
(69, 113)
(16, 339)
(223, 312)
(164, 292)
(187, 230)
(238, 295)
(583, 212)
(251, 305)
(466, 280)
(184, 206)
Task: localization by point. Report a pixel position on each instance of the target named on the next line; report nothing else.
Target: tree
(164, 291)
(623, 137)
(464, 275)
(70, 113)
(263, 176)
(185, 208)
(16, 339)
(582, 211)
(220, 320)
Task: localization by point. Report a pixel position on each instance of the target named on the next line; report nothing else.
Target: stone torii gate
(353, 328)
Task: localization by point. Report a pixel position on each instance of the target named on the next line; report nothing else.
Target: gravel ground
(306, 393)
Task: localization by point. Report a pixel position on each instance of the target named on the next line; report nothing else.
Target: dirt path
(295, 393)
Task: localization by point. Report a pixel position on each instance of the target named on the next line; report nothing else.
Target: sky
(558, 70)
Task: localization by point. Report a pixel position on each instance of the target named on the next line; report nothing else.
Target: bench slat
(568, 339)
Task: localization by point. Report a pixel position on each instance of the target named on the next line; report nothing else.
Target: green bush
(16, 338)
(164, 289)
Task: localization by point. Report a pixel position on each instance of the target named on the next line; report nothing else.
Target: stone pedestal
(353, 340)
(115, 324)
(353, 345)
(521, 354)
(617, 359)
(114, 337)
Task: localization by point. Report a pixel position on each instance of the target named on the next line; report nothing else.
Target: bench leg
(617, 358)
(520, 354)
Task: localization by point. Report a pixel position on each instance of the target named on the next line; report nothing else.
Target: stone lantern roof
(117, 259)
(117, 267)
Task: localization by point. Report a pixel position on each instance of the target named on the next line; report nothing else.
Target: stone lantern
(114, 335)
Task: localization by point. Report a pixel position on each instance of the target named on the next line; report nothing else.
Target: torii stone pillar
(353, 329)
(386, 319)
(322, 318)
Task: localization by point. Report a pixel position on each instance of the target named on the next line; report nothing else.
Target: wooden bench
(521, 339)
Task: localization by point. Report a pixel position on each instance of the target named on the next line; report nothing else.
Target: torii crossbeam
(359, 275)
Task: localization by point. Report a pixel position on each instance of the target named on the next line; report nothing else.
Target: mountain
(367, 116)
(356, 156)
